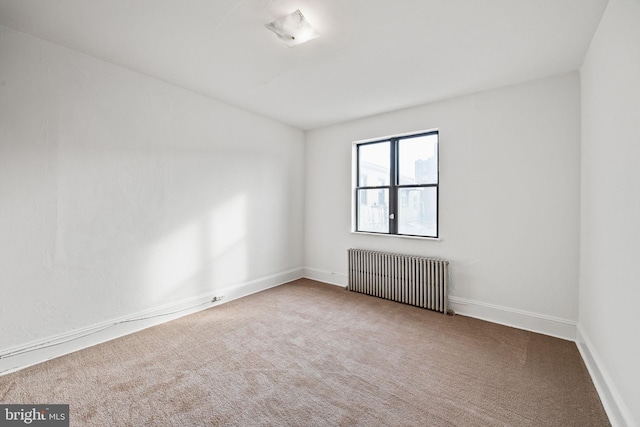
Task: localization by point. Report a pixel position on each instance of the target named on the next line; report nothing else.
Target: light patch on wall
(175, 259)
(227, 240)
(228, 225)
(209, 250)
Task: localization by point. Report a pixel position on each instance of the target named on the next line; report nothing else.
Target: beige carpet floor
(311, 354)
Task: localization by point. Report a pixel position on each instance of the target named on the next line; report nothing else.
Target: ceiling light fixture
(293, 29)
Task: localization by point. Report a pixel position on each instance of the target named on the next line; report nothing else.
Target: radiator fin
(410, 279)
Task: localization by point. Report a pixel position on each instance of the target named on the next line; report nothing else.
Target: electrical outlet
(217, 298)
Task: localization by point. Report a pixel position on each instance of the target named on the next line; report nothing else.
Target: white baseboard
(20, 357)
(329, 277)
(617, 411)
(534, 322)
(548, 325)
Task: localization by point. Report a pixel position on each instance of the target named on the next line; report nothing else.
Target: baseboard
(20, 357)
(332, 278)
(617, 411)
(534, 322)
(548, 325)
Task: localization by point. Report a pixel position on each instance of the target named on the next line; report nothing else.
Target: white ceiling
(372, 56)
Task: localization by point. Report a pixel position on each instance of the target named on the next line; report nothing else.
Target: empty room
(319, 213)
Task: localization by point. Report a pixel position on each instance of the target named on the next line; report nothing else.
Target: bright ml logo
(34, 415)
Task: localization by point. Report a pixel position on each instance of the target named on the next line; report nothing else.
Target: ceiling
(372, 56)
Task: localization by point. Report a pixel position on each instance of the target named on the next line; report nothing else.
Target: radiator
(409, 279)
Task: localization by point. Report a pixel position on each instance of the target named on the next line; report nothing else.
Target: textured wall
(120, 193)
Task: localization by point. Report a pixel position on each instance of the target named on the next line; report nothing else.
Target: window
(396, 185)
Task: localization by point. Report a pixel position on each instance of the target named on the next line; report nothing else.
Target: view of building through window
(397, 185)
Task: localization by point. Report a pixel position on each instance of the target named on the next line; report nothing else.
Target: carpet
(311, 354)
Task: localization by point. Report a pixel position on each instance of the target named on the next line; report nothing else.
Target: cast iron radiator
(409, 279)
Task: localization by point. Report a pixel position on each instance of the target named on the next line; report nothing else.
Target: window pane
(373, 210)
(418, 160)
(374, 163)
(417, 211)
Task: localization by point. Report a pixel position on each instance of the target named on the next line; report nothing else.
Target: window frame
(394, 186)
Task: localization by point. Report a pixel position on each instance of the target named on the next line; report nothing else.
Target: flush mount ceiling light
(293, 29)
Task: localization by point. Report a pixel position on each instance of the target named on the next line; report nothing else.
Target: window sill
(436, 239)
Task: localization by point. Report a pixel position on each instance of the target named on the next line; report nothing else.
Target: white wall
(509, 201)
(120, 193)
(609, 321)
